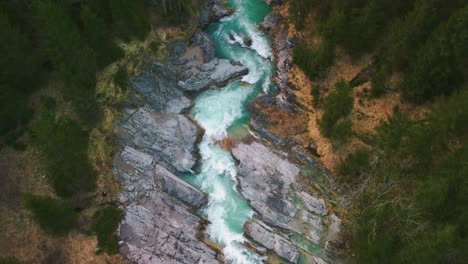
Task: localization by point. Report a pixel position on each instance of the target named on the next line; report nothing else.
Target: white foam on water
(215, 111)
(217, 163)
(259, 41)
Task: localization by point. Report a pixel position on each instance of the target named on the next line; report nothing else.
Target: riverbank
(295, 216)
(25, 171)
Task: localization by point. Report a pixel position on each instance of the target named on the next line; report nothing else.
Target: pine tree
(71, 58)
(129, 18)
(20, 74)
(98, 37)
(338, 104)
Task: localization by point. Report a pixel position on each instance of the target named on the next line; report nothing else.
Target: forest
(67, 44)
(412, 176)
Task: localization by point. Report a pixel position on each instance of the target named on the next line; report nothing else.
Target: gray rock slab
(217, 72)
(179, 188)
(160, 224)
(313, 204)
(168, 137)
(272, 241)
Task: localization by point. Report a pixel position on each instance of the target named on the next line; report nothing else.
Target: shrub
(98, 37)
(121, 78)
(105, 223)
(314, 61)
(377, 84)
(55, 217)
(177, 11)
(65, 145)
(354, 165)
(70, 56)
(315, 92)
(10, 260)
(440, 64)
(338, 104)
(129, 18)
(20, 75)
(342, 130)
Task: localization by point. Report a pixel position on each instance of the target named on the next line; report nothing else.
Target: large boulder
(313, 204)
(272, 241)
(170, 138)
(266, 180)
(206, 43)
(157, 85)
(213, 11)
(179, 188)
(217, 72)
(160, 225)
(271, 21)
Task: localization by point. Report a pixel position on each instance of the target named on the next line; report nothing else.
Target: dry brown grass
(367, 113)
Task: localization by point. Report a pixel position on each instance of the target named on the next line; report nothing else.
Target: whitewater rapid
(221, 111)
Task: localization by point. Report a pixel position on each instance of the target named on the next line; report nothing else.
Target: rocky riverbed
(158, 140)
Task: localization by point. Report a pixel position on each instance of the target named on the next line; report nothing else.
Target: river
(221, 112)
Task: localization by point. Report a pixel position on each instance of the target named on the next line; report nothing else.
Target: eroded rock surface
(157, 85)
(270, 182)
(206, 43)
(213, 11)
(313, 204)
(217, 72)
(170, 138)
(159, 224)
(271, 241)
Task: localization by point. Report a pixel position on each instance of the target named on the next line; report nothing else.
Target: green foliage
(20, 75)
(333, 29)
(430, 245)
(73, 60)
(298, 11)
(129, 18)
(65, 145)
(105, 223)
(414, 179)
(337, 105)
(101, 9)
(426, 40)
(413, 209)
(351, 169)
(54, 216)
(177, 11)
(314, 61)
(10, 260)
(440, 65)
(392, 134)
(377, 84)
(315, 92)
(154, 45)
(98, 37)
(121, 78)
(409, 33)
(342, 130)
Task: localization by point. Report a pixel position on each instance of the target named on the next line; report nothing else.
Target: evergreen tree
(337, 105)
(65, 145)
(20, 74)
(54, 216)
(98, 37)
(105, 222)
(129, 18)
(71, 58)
(440, 65)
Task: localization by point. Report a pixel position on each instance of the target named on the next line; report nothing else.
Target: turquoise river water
(221, 112)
